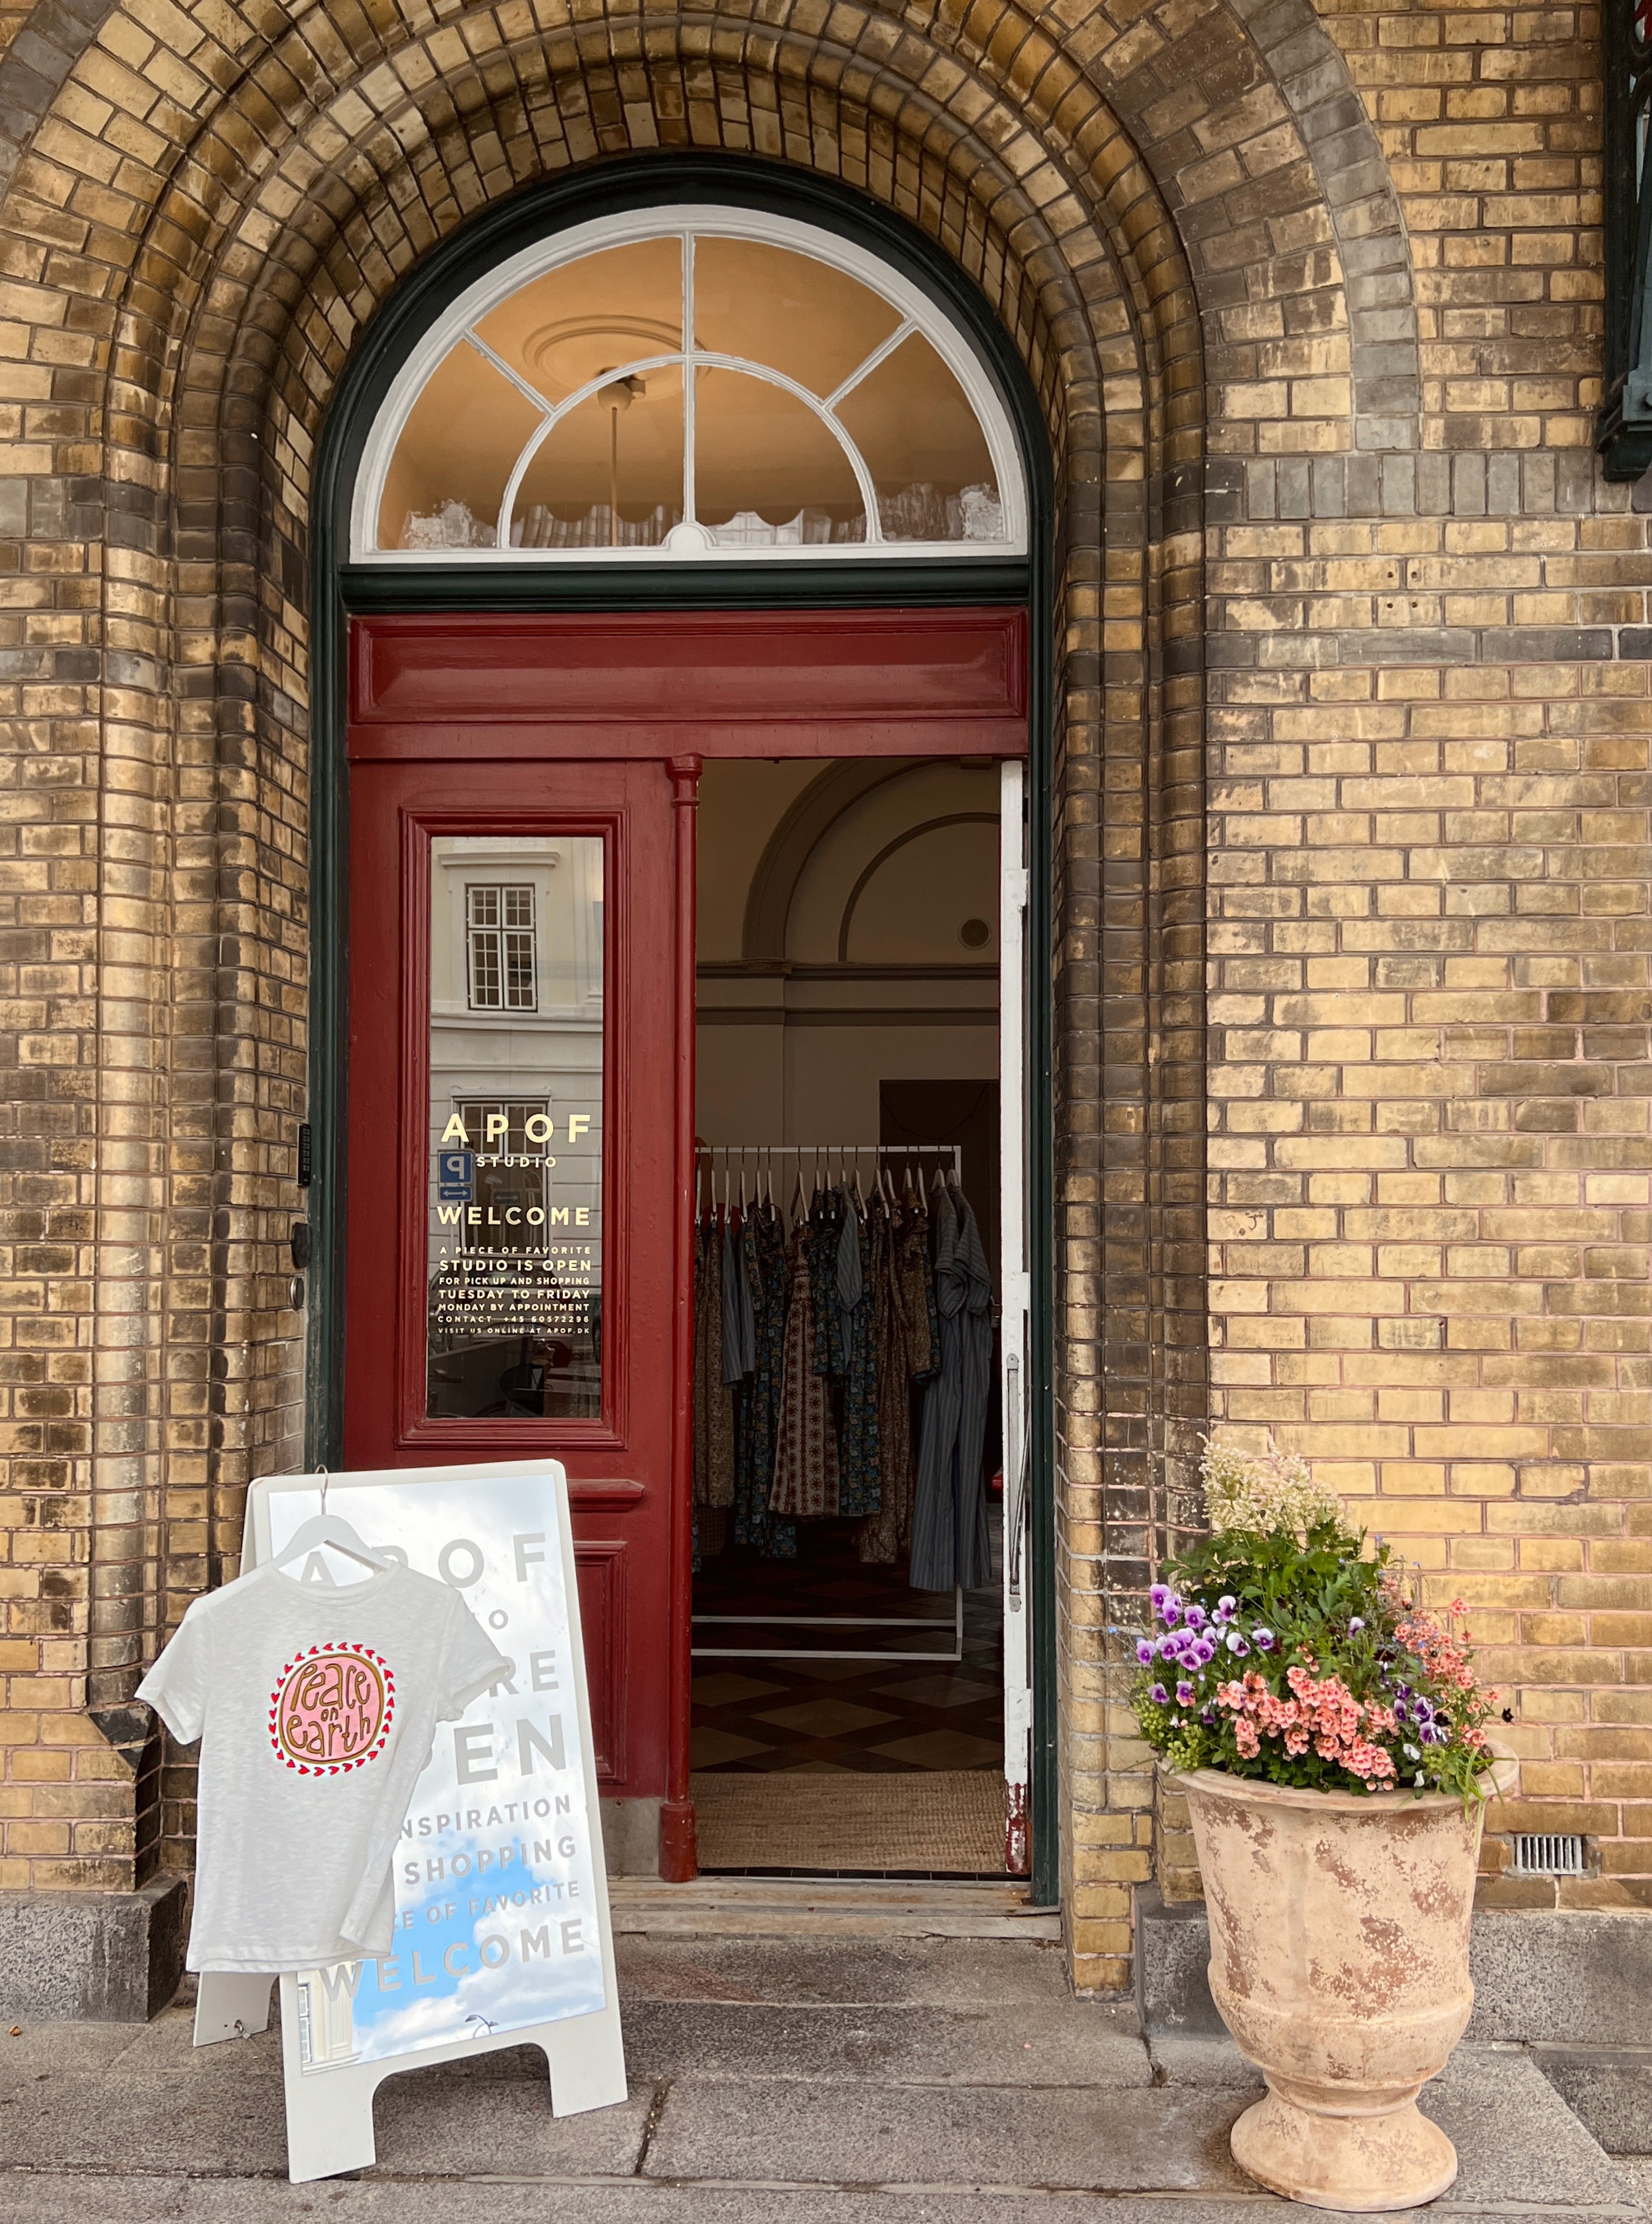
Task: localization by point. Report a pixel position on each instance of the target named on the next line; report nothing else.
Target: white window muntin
(499, 933)
(917, 312)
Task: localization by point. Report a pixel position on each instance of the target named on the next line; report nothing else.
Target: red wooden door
(519, 1063)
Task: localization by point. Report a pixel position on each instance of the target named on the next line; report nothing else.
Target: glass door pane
(514, 1307)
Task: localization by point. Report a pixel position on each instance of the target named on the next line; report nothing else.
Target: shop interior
(848, 1689)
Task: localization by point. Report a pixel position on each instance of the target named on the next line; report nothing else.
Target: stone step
(725, 1907)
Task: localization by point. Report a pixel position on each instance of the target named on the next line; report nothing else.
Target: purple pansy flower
(1262, 1640)
(1184, 1695)
(1159, 1696)
(1194, 1616)
(1355, 1623)
(1226, 1606)
(1145, 1651)
(1236, 1644)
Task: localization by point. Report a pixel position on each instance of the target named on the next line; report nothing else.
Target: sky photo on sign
(497, 1921)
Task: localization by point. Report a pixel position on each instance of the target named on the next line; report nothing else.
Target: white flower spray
(1265, 1492)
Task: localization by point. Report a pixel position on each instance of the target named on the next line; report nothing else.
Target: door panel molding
(602, 1569)
(712, 683)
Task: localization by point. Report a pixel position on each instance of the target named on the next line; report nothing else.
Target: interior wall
(883, 972)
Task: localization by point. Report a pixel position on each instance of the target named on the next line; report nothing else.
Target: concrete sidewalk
(804, 2081)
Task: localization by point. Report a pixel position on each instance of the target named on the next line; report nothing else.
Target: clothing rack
(825, 1156)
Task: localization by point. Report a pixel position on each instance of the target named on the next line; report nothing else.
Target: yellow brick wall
(1429, 943)
(1313, 310)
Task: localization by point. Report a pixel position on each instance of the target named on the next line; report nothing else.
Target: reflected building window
(510, 1180)
(503, 962)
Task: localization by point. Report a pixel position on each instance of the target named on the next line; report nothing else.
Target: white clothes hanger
(333, 1532)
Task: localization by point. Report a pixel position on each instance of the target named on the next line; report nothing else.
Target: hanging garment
(851, 1281)
(739, 1333)
(758, 1422)
(916, 1277)
(911, 1344)
(951, 1540)
(714, 1422)
(884, 1535)
(805, 1463)
(860, 1475)
(825, 1241)
(315, 1707)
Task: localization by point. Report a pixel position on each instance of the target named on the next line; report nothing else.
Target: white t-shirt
(316, 1706)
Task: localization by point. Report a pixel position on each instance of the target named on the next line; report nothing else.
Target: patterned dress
(883, 1535)
(824, 1235)
(714, 1414)
(860, 1481)
(805, 1460)
(917, 1279)
(758, 1425)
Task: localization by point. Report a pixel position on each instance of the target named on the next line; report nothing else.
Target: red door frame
(448, 709)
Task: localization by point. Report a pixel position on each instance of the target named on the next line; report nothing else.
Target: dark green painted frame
(339, 589)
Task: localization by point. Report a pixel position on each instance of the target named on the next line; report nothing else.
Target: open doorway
(848, 1691)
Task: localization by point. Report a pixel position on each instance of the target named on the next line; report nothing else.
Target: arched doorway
(696, 482)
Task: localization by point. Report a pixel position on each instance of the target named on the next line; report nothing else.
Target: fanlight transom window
(692, 384)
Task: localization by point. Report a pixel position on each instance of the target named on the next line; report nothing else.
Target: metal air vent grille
(1548, 1853)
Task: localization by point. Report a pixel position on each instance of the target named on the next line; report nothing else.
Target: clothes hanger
(331, 1530)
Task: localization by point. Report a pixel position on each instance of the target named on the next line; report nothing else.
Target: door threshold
(819, 1907)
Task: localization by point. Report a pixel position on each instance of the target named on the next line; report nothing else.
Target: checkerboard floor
(757, 1714)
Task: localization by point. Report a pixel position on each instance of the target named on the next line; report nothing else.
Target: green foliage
(1298, 1656)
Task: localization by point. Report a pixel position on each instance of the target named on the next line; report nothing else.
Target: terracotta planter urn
(1338, 1960)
